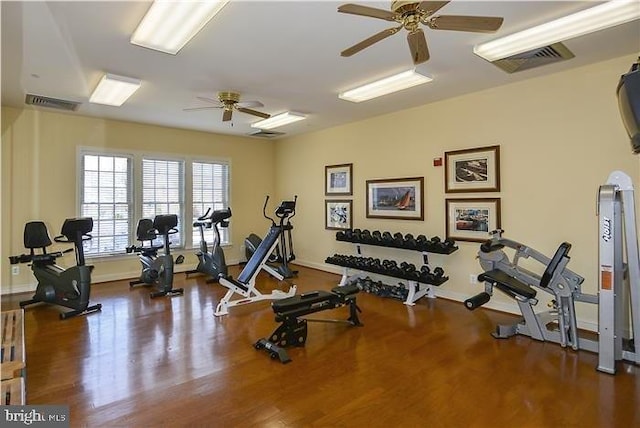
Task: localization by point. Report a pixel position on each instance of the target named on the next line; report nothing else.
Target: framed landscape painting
(397, 198)
(472, 170)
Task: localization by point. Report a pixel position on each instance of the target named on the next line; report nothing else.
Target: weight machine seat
(219, 215)
(163, 223)
(73, 227)
(36, 235)
(507, 284)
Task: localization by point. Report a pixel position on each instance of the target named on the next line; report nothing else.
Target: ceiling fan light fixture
(279, 120)
(169, 25)
(113, 90)
(395, 83)
(587, 21)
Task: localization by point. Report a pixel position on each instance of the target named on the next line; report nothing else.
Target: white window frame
(135, 195)
(225, 233)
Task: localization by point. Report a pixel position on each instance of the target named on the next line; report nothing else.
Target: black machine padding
(561, 252)
(145, 231)
(36, 235)
(489, 246)
(314, 299)
(507, 284)
(261, 253)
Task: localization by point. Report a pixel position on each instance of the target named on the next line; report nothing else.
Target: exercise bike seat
(145, 230)
(163, 223)
(36, 235)
(507, 284)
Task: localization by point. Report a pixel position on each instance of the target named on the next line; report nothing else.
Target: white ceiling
(285, 54)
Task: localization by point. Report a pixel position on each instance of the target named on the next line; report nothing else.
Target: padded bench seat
(314, 299)
(507, 284)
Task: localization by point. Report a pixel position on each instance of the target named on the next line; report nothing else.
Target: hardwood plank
(170, 362)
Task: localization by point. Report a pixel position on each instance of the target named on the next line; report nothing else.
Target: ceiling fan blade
(208, 100)
(198, 108)
(254, 112)
(356, 9)
(432, 7)
(476, 24)
(249, 104)
(226, 116)
(418, 46)
(371, 40)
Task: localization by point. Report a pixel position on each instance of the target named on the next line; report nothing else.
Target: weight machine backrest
(561, 253)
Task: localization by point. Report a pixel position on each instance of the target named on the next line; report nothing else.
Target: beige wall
(39, 155)
(560, 137)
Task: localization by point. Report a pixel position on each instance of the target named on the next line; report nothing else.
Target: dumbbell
(449, 243)
(407, 267)
(355, 235)
(376, 237)
(387, 239)
(421, 242)
(409, 242)
(398, 240)
(365, 236)
(425, 274)
(341, 236)
(438, 272)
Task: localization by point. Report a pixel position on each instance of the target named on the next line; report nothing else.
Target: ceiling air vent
(534, 58)
(265, 134)
(40, 101)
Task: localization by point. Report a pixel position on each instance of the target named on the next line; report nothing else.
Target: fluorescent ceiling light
(279, 120)
(385, 86)
(169, 25)
(114, 90)
(599, 17)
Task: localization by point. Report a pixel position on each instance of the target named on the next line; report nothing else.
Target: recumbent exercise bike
(71, 287)
(211, 263)
(157, 270)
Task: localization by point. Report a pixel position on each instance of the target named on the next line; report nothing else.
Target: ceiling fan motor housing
(229, 97)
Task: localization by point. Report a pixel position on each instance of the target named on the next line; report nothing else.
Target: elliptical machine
(211, 263)
(157, 270)
(283, 253)
(69, 287)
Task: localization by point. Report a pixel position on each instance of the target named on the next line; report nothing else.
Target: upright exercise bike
(211, 263)
(71, 287)
(157, 270)
(283, 253)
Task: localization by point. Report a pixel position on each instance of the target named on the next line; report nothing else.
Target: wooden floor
(170, 362)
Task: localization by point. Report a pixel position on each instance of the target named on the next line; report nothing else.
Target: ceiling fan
(229, 101)
(410, 14)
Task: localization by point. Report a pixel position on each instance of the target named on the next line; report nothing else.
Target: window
(117, 190)
(210, 184)
(162, 191)
(105, 196)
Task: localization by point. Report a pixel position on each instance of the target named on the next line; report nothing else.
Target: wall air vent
(534, 58)
(40, 101)
(262, 133)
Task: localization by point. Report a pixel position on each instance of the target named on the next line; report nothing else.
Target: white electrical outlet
(15, 270)
(473, 279)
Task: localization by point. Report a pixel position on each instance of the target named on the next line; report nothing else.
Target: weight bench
(245, 284)
(293, 330)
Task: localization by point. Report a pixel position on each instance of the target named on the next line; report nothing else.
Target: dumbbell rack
(417, 289)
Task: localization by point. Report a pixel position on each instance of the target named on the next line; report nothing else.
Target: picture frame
(472, 219)
(338, 180)
(396, 198)
(338, 214)
(472, 170)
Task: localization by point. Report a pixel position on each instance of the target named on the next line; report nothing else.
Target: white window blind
(162, 191)
(105, 196)
(210, 189)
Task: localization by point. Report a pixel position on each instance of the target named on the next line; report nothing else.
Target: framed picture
(472, 219)
(472, 170)
(338, 180)
(338, 214)
(398, 198)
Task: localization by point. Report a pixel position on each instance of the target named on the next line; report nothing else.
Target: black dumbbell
(438, 272)
(341, 236)
(409, 242)
(387, 239)
(376, 237)
(398, 240)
